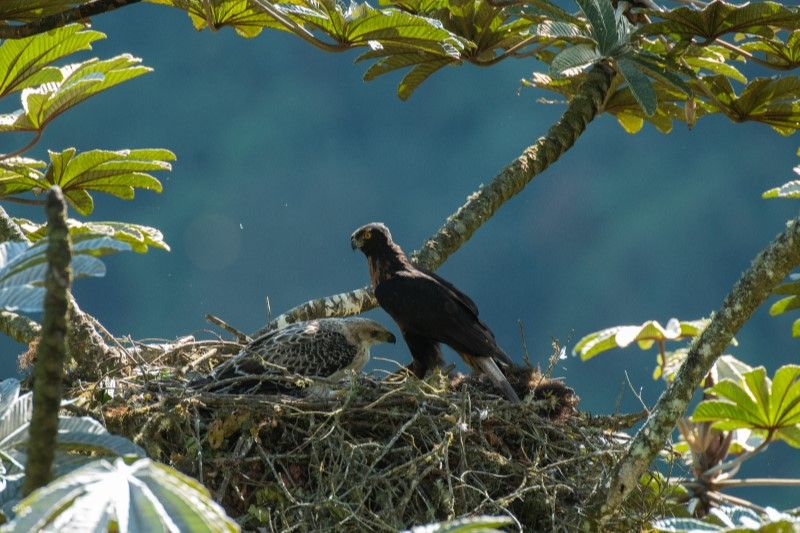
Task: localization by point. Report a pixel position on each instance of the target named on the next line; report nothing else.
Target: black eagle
(429, 310)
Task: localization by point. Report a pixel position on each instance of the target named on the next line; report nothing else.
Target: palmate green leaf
(24, 62)
(758, 403)
(113, 172)
(719, 18)
(240, 15)
(645, 335)
(781, 55)
(105, 496)
(417, 75)
(603, 24)
(139, 237)
(21, 174)
(365, 24)
(80, 81)
(639, 84)
(773, 101)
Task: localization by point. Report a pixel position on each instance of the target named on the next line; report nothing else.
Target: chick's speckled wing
(310, 349)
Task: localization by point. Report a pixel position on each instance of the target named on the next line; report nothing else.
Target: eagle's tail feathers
(490, 368)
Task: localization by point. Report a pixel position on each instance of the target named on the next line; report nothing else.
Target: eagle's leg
(425, 354)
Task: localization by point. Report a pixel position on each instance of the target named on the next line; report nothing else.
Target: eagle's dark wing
(424, 306)
(465, 300)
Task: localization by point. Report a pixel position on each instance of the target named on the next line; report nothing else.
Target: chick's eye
(367, 234)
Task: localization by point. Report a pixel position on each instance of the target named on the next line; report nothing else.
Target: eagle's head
(371, 238)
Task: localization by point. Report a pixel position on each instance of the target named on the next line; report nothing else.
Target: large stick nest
(380, 454)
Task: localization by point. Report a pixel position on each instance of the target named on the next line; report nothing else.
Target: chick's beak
(355, 242)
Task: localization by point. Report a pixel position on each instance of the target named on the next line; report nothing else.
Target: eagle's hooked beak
(389, 337)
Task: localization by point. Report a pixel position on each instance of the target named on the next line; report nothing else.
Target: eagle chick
(326, 348)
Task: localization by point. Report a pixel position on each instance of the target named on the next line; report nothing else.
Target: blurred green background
(283, 150)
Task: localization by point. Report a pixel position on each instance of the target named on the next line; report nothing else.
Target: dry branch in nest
(378, 455)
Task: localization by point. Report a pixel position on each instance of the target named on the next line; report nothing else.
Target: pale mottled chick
(327, 349)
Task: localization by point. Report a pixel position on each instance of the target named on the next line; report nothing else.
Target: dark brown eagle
(429, 310)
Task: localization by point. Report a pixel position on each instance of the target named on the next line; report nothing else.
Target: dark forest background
(283, 150)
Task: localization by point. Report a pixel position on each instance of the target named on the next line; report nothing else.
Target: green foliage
(732, 519)
(645, 335)
(69, 85)
(113, 172)
(23, 268)
(767, 407)
(476, 524)
(105, 496)
(139, 237)
(75, 434)
(719, 18)
(24, 62)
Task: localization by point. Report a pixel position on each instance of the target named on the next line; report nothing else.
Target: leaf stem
(738, 460)
(25, 148)
(297, 29)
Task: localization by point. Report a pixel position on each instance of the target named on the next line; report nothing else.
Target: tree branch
(49, 371)
(63, 18)
(18, 327)
(768, 269)
(481, 205)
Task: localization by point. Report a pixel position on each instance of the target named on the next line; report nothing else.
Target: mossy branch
(49, 371)
(68, 16)
(482, 204)
(768, 269)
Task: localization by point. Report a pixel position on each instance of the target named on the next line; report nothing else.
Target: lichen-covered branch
(768, 269)
(49, 371)
(343, 304)
(482, 204)
(18, 327)
(49, 22)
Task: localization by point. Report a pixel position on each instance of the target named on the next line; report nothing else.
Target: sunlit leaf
(139, 237)
(718, 18)
(114, 172)
(246, 20)
(78, 82)
(105, 496)
(755, 402)
(24, 62)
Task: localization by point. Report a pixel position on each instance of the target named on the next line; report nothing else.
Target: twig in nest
(242, 448)
(241, 337)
